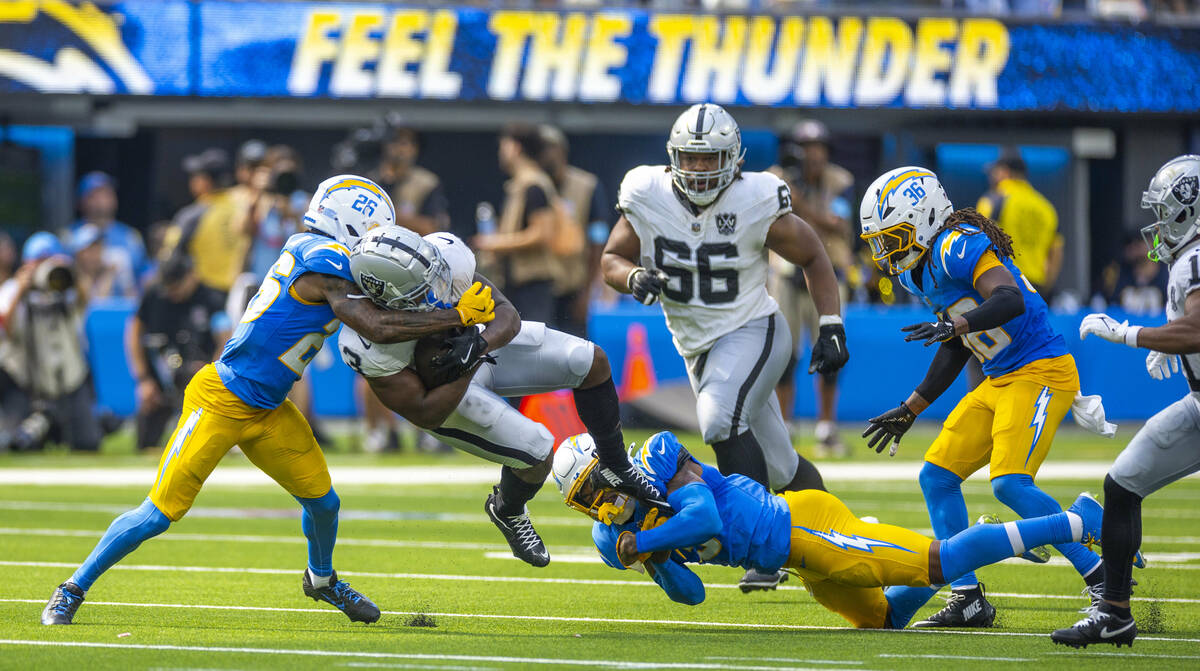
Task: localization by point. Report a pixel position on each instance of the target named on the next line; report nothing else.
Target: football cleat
(1037, 555)
(63, 604)
(1100, 627)
(757, 580)
(964, 608)
(1096, 594)
(629, 480)
(524, 540)
(339, 593)
(1092, 514)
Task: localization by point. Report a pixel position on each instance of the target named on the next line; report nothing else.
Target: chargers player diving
(734, 521)
(960, 264)
(463, 404)
(696, 234)
(241, 399)
(1165, 448)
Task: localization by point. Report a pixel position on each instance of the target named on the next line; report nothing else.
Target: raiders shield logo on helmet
(372, 285)
(726, 222)
(1186, 190)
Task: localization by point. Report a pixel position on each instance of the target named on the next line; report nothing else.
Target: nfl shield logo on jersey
(372, 285)
(726, 222)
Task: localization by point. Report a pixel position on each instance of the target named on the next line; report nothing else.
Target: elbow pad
(1005, 304)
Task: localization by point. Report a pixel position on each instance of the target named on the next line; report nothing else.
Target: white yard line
(483, 578)
(967, 657)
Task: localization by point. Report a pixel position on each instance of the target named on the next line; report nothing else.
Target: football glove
(891, 424)
(461, 354)
(1110, 329)
(829, 352)
(1160, 366)
(476, 305)
(646, 284)
(931, 332)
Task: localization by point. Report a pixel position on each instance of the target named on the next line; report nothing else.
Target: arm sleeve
(947, 363)
(679, 582)
(696, 520)
(1005, 304)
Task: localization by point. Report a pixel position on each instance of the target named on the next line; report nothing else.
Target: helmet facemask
(603, 504)
(432, 294)
(894, 250)
(1176, 222)
(703, 186)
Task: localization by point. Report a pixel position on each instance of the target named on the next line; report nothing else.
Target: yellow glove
(476, 305)
(627, 552)
(652, 519)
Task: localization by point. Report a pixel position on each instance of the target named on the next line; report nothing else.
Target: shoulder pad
(371, 359)
(327, 258)
(958, 252)
(637, 185)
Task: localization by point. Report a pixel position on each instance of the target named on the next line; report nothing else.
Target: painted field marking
(1122, 654)
(783, 659)
(604, 663)
(487, 578)
(398, 665)
(606, 620)
(967, 657)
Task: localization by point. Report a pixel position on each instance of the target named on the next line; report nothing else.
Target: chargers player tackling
(696, 233)
(401, 270)
(241, 399)
(734, 521)
(960, 264)
(1165, 448)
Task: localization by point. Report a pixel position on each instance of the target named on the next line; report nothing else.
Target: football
(427, 348)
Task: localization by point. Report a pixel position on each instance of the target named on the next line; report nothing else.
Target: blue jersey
(757, 525)
(947, 286)
(280, 332)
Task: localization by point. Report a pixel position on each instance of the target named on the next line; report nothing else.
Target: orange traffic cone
(637, 378)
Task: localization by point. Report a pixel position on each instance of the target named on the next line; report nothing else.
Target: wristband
(1131, 336)
(629, 277)
(828, 320)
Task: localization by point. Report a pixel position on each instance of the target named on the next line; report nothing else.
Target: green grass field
(221, 589)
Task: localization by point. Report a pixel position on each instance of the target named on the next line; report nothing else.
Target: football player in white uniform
(399, 269)
(1167, 447)
(696, 234)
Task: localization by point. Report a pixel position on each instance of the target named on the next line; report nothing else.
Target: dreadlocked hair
(970, 217)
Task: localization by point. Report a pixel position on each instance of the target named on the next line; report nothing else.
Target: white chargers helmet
(705, 129)
(1172, 195)
(900, 213)
(345, 207)
(574, 461)
(400, 270)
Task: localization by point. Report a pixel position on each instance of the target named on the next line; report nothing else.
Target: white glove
(1110, 329)
(1088, 412)
(1160, 366)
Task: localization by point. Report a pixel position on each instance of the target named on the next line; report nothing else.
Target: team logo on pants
(855, 542)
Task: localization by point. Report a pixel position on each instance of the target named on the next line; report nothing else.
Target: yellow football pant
(278, 441)
(845, 562)
(1008, 421)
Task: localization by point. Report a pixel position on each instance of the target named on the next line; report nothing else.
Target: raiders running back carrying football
(695, 234)
(399, 269)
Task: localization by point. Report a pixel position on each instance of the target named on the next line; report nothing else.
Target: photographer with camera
(179, 327)
(45, 384)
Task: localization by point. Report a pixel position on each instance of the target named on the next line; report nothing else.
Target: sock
(947, 509)
(1119, 611)
(807, 477)
(320, 522)
(1122, 533)
(1095, 576)
(742, 454)
(319, 580)
(515, 492)
(1018, 492)
(124, 535)
(985, 544)
(600, 412)
(904, 603)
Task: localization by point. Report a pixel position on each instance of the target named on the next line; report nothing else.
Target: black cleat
(628, 479)
(1096, 594)
(64, 603)
(524, 540)
(757, 580)
(1099, 627)
(964, 608)
(339, 593)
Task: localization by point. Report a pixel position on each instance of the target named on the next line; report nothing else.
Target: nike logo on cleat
(1105, 633)
(972, 610)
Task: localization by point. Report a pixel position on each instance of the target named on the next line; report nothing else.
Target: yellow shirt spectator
(1032, 223)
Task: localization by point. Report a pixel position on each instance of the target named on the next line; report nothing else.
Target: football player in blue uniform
(734, 521)
(241, 399)
(960, 264)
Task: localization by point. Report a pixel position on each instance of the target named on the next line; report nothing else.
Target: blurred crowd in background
(192, 275)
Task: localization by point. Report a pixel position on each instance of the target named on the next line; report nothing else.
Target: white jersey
(716, 260)
(378, 360)
(1184, 279)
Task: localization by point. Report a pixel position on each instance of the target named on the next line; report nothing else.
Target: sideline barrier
(882, 371)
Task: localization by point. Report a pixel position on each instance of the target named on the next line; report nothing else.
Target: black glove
(891, 424)
(460, 355)
(931, 332)
(625, 478)
(646, 284)
(829, 352)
